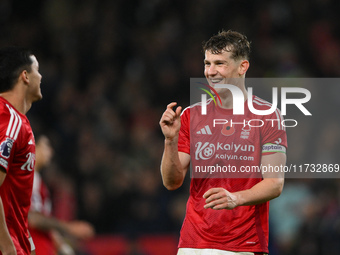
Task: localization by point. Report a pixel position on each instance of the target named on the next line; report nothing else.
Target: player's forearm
(43, 223)
(270, 187)
(171, 168)
(5, 238)
(262, 192)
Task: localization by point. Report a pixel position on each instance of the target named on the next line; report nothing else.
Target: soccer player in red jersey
(224, 215)
(19, 88)
(47, 231)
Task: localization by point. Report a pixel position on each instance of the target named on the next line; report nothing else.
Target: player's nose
(211, 70)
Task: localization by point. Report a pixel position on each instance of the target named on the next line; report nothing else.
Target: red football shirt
(216, 146)
(17, 158)
(41, 203)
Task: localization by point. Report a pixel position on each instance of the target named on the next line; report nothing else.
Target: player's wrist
(239, 199)
(171, 140)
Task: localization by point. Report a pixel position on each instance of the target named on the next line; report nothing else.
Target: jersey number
(29, 165)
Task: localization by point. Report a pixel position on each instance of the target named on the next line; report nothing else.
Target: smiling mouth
(216, 80)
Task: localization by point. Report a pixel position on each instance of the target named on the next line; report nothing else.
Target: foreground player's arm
(174, 164)
(77, 229)
(6, 243)
(269, 188)
(60, 243)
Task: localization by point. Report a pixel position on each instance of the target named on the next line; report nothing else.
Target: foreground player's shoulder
(186, 111)
(9, 129)
(11, 121)
(273, 132)
(5, 113)
(196, 109)
(261, 103)
(185, 118)
(3, 108)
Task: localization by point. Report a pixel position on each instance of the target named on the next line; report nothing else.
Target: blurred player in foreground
(224, 215)
(50, 234)
(19, 88)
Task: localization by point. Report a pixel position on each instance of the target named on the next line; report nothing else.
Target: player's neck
(227, 98)
(18, 100)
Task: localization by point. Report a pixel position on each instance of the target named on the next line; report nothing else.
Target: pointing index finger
(177, 112)
(171, 105)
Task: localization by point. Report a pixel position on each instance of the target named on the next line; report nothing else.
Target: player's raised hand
(171, 121)
(80, 229)
(220, 198)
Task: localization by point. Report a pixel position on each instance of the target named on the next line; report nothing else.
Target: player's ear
(24, 76)
(243, 67)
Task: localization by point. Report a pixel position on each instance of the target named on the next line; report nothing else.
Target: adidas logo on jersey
(204, 131)
(30, 142)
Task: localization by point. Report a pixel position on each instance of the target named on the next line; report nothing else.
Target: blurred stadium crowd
(109, 70)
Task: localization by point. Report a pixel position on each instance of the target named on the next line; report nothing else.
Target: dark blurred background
(109, 70)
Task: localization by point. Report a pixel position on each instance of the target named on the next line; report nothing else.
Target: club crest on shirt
(6, 147)
(245, 130)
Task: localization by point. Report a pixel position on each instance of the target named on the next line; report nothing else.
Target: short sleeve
(274, 137)
(9, 129)
(184, 133)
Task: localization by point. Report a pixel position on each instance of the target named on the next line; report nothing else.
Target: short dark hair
(230, 41)
(13, 60)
